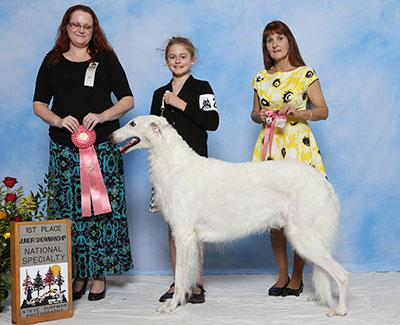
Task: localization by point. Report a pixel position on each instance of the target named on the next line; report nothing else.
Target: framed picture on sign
(41, 271)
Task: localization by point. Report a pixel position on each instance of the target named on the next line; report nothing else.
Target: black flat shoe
(167, 295)
(78, 295)
(198, 298)
(277, 291)
(293, 292)
(98, 296)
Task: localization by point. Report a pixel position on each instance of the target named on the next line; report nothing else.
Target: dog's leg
(186, 270)
(311, 249)
(342, 278)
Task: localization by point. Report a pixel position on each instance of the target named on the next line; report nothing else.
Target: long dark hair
(97, 44)
(279, 27)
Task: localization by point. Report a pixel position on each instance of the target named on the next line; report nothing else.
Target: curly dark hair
(97, 44)
(281, 28)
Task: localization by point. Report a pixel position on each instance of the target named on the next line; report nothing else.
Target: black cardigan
(200, 113)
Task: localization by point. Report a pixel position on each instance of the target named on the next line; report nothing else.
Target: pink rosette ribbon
(92, 183)
(270, 123)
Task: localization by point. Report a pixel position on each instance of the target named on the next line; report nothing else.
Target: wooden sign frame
(41, 271)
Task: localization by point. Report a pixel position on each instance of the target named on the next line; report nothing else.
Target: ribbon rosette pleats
(92, 183)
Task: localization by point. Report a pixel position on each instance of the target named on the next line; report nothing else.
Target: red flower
(10, 181)
(11, 197)
(16, 219)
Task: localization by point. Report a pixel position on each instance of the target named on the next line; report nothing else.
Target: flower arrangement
(15, 207)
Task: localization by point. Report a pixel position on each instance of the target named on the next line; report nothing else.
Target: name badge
(90, 74)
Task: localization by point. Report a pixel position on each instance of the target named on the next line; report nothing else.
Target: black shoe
(276, 291)
(198, 298)
(293, 292)
(78, 295)
(167, 295)
(98, 296)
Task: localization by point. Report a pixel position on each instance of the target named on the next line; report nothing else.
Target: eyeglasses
(77, 26)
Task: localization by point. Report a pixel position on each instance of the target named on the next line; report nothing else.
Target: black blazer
(199, 116)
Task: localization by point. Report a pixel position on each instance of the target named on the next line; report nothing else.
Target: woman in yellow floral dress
(287, 85)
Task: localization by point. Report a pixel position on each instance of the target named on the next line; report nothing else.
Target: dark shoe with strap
(78, 295)
(98, 296)
(293, 292)
(277, 291)
(167, 295)
(198, 298)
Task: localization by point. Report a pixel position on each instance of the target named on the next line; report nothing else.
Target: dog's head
(142, 130)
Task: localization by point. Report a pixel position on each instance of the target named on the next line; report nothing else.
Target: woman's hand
(69, 122)
(171, 99)
(289, 110)
(258, 114)
(42, 110)
(91, 120)
(262, 116)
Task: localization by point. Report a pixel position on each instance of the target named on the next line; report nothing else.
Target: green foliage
(15, 207)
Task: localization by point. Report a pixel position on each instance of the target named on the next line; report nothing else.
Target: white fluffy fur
(208, 200)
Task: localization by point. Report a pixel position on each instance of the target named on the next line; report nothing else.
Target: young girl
(189, 106)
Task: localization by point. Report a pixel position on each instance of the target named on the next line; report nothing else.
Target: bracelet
(310, 115)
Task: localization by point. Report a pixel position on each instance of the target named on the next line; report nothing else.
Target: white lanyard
(162, 108)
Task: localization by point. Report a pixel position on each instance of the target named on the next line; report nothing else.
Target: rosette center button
(83, 136)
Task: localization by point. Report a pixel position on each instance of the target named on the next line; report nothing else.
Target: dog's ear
(156, 128)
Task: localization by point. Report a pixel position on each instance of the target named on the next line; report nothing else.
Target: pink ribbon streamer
(93, 189)
(269, 130)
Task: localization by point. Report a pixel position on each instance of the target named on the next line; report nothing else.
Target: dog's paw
(167, 307)
(312, 298)
(337, 312)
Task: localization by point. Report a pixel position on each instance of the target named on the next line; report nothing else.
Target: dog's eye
(132, 124)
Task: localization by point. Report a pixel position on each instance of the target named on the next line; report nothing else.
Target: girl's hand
(91, 120)
(69, 122)
(171, 99)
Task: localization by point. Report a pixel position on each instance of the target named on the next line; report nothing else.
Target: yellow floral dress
(295, 141)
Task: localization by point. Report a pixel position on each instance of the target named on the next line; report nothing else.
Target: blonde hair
(181, 41)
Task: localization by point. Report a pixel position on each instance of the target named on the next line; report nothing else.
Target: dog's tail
(322, 284)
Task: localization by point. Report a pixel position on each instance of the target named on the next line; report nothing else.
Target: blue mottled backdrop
(353, 45)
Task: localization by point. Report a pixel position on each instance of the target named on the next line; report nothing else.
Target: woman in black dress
(82, 96)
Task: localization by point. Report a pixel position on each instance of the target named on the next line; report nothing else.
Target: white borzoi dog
(209, 200)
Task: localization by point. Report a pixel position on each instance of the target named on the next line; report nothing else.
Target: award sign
(41, 271)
